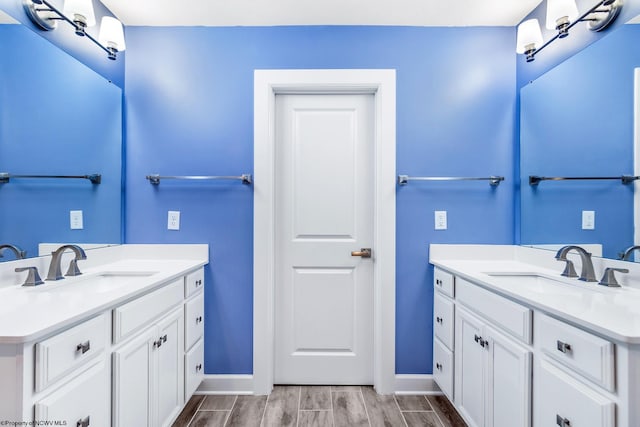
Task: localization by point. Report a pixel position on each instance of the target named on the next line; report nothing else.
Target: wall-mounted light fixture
(78, 13)
(562, 15)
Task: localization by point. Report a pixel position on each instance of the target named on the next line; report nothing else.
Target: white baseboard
(243, 384)
(416, 384)
(226, 384)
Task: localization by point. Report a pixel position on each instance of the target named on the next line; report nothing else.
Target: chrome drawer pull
(161, 340)
(563, 346)
(84, 422)
(563, 422)
(84, 347)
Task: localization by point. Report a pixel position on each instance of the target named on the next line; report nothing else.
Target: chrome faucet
(55, 270)
(20, 254)
(627, 253)
(587, 274)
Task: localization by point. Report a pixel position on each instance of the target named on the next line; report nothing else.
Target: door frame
(268, 84)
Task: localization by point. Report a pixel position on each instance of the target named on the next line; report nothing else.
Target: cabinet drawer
(590, 356)
(510, 316)
(443, 281)
(67, 351)
(443, 320)
(85, 401)
(443, 368)
(140, 312)
(194, 282)
(193, 369)
(563, 401)
(194, 320)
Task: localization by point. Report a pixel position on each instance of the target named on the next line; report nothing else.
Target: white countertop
(30, 313)
(610, 312)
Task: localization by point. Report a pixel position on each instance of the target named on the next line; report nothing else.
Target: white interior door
(324, 211)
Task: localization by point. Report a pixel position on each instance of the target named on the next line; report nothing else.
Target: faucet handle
(609, 278)
(73, 269)
(569, 269)
(33, 278)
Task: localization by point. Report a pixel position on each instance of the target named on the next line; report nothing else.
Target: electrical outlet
(173, 222)
(588, 220)
(75, 220)
(440, 220)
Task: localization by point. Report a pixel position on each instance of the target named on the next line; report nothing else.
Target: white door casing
(324, 211)
(636, 160)
(381, 84)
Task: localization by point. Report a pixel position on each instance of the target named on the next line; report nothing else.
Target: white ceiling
(458, 13)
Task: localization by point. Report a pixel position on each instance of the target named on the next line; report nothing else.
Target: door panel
(470, 361)
(324, 211)
(508, 382)
(315, 327)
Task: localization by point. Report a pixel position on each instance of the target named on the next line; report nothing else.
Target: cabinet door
(469, 368)
(82, 401)
(563, 401)
(133, 381)
(170, 368)
(508, 382)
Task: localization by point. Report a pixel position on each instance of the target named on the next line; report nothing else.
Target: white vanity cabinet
(124, 365)
(517, 364)
(493, 374)
(492, 362)
(443, 329)
(147, 375)
(194, 333)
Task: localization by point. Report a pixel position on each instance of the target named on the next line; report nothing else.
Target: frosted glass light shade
(111, 33)
(80, 7)
(528, 34)
(557, 9)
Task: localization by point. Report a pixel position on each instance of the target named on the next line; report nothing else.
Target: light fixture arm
(45, 22)
(613, 13)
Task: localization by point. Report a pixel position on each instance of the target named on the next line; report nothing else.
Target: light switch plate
(75, 220)
(588, 220)
(173, 221)
(440, 220)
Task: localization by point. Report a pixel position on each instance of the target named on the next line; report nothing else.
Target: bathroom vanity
(517, 344)
(121, 344)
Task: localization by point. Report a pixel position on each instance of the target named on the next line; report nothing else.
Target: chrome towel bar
(155, 179)
(94, 178)
(625, 179)
(493, 180)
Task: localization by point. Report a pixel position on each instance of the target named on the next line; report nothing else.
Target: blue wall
(57, 117)
(577, 120)
(189, 111)
(64, 37)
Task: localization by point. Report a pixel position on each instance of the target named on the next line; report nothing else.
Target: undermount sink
(537, 282)
(95, 282)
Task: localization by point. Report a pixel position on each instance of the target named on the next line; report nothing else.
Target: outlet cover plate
(173, 220)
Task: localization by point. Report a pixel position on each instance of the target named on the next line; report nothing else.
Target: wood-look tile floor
(319, 406)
